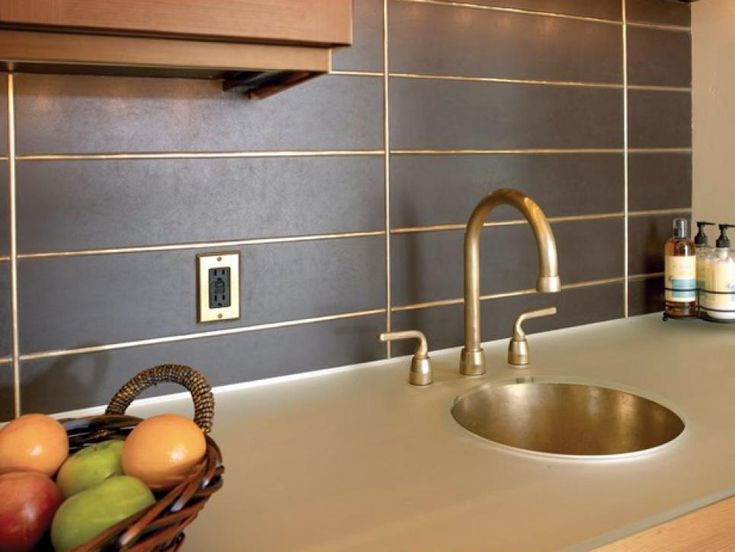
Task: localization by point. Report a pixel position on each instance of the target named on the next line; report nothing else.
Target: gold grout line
(648, 276)
(200, 335)
(658, 88)
(386, 182)
(656, 212)
(626, 166)
(456, 4)
(349, 73)
(506, 294)
(126, 156)
(200, 245)
(323, 237)
(511, 222)
(508, 151)
(6, 360)
(501, 80)
(659, 26)
(14, 326)
(660, 150)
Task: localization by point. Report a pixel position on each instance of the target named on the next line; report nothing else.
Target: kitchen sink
(565, 418)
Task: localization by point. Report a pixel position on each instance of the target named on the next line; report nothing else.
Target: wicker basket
(160, 527)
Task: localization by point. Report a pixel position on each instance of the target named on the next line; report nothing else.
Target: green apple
(88, 513)
(90, 466)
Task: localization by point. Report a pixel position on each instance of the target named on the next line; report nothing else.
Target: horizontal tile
(447, 40)
(6, 393)
(70, 205)
(470, 115)
(443, 189)
(659, 119)
(366, 52)
(659, 11)
(647, 237)
(82, 301)
(646, 296)
(84, 114)
(429, 266)
(65, 383)
(659, 57)
(4, 209)
(443, 326)
(5, 314)
(659, 181)
(605, 9)
(4, 114)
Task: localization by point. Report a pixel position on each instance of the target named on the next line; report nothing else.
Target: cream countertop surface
(355, 459)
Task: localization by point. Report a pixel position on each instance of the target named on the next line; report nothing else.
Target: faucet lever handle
(421, 372)
(518, 346)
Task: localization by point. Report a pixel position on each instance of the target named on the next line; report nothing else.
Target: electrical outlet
(218, 287)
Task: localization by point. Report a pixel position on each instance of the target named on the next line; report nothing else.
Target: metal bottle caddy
(702, 311)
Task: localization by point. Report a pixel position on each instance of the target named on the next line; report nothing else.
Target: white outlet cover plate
(205, 262)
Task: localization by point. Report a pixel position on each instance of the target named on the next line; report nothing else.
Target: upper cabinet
(259, 46)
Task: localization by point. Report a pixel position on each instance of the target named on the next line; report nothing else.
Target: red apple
(28, 501)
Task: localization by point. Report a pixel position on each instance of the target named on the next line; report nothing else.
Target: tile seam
(13, 257)
(626, 165)
(386, 180)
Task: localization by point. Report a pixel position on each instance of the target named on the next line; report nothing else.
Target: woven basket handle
(195, 383)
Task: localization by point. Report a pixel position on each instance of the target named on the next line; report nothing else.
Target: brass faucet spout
(473, 360)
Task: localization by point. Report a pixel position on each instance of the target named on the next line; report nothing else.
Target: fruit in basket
(88, 513)
(33, 442)
(90, 466)
(28, 500)
(163, 450)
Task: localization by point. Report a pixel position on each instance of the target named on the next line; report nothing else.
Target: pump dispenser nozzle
(681, 228)
(701, 237)
(723, 241)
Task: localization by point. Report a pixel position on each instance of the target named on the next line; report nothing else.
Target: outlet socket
(218, 287)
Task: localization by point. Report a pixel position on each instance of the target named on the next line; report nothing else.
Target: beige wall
(713, 59)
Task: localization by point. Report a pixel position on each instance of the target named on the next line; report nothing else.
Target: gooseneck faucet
(472, 361)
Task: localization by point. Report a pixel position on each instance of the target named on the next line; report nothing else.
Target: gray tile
(659, 181)
(659, 57)
(366, 52)
(660, 119)
(605, 9)
(647, 236)
(4, 210)
(443, 189)
(483, 43)
(443, 326)
(646, 296)
(3, 114)
(6, 392)
(5, 324)
(66, 383)
(71, 205)
(83, 114)
(471, 115)
(659, 11)
(428, 266)
(72, 302)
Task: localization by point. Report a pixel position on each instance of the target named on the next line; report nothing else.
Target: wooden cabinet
(259, 45)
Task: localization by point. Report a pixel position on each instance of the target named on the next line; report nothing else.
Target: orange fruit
(163, 450)
(33, 442)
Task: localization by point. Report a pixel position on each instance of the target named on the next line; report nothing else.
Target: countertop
(355, 459)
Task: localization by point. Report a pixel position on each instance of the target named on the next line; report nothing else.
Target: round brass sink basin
(566, 418)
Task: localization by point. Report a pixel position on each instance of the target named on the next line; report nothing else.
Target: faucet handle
(518, 346)
(421, 373)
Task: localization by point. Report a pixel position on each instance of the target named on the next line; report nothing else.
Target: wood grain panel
(711, 529)
(325, 22)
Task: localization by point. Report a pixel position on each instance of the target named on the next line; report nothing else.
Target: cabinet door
(309, 22)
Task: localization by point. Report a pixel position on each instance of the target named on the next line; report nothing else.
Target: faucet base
(472, 363)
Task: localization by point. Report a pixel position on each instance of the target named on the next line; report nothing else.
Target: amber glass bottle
(681, 273)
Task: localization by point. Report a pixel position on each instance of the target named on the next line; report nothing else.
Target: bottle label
(681, 279)
(721, 279)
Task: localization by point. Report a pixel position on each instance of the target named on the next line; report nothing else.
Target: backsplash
(121, 181)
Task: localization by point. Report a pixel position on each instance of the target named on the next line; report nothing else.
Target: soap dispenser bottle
(721, 279)
(704, 255)
(681, 273)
